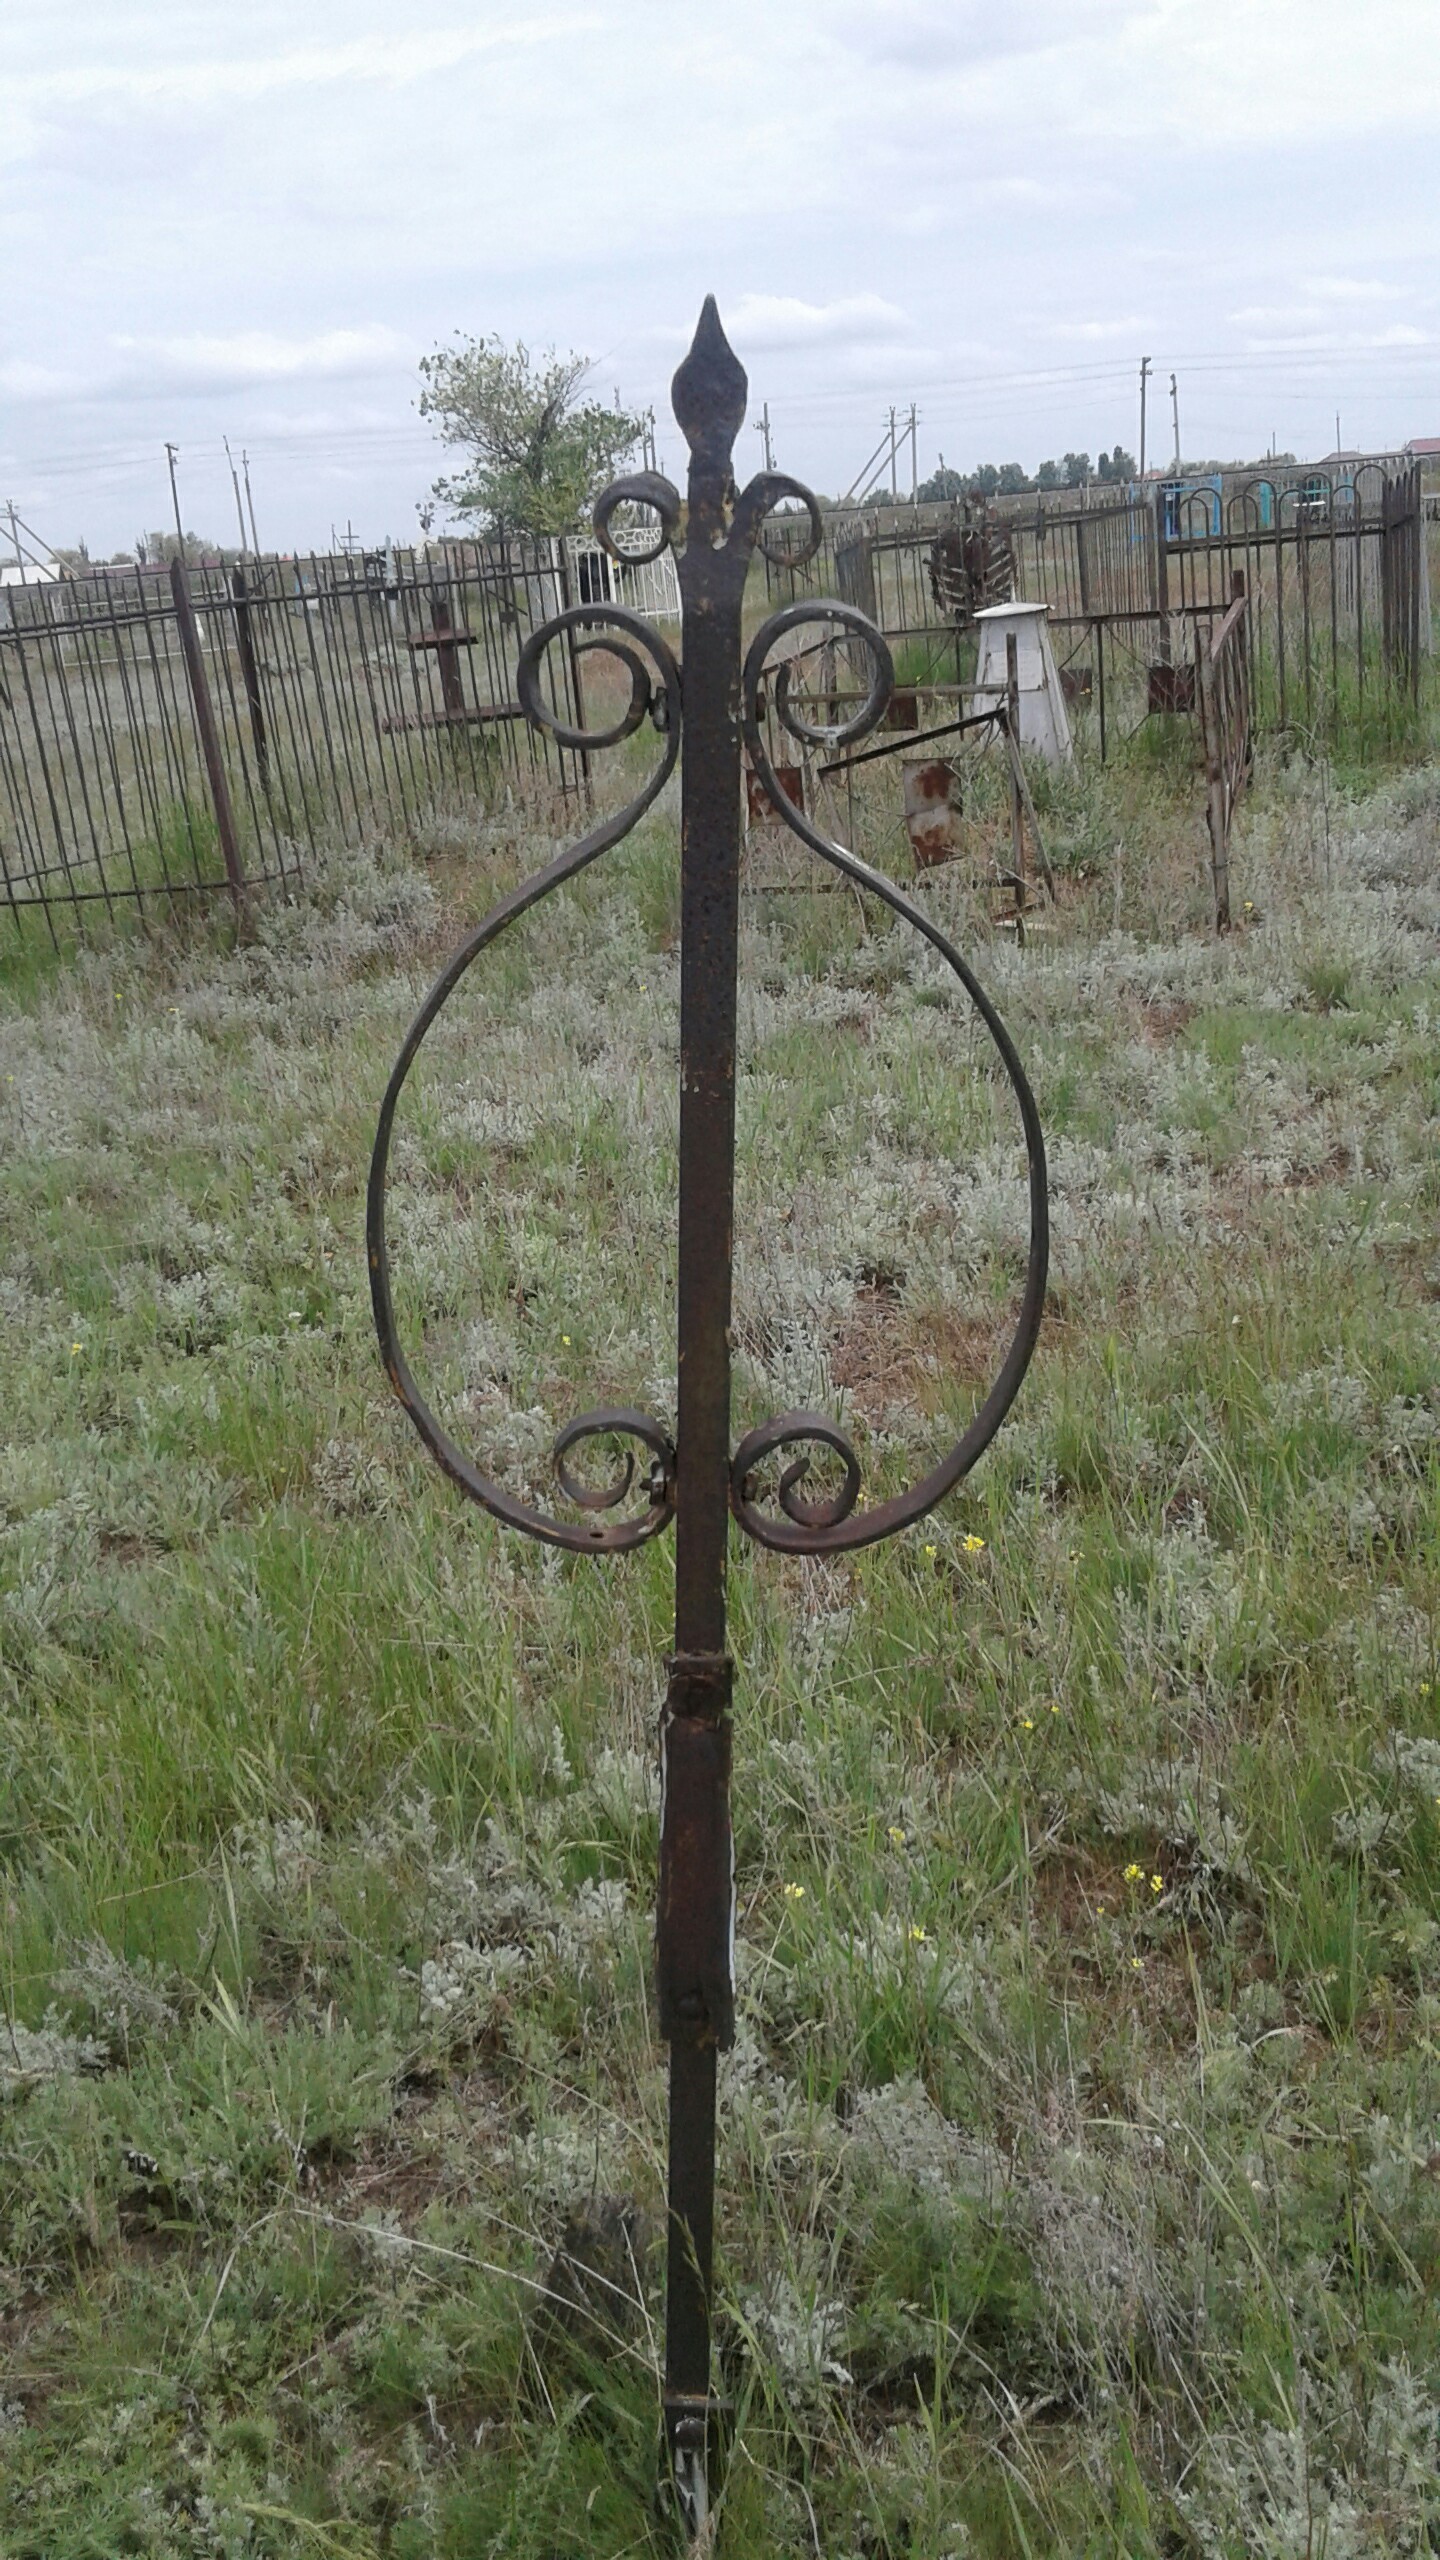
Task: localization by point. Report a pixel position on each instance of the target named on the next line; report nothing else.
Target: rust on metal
(791, 778)
(1170, 687)
(796, 1483)
(932, 809)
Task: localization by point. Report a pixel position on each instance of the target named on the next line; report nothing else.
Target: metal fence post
(1012, 742)
(209, 736)
(250, 676)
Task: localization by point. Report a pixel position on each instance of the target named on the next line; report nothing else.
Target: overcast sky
(252, 222)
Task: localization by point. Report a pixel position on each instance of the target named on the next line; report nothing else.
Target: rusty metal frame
(764, 1485)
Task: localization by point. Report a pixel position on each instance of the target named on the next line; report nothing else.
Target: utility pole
(894, 472)
(1175, 406)
(1337, 435)
(15, 536)
(914, 456)
(235, 485)
(1144, 378)
(762, 429)
(172, 456)
(250, 503)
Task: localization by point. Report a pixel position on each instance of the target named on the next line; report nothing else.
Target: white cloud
(227, 80)
(767, 321)
(260, 355)
(1282, 316)
(1197, 74)
(1096, 332)
(20, 381)
(1353, 289)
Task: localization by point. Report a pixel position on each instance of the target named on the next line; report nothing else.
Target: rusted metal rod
(209, 737)
(250, 673)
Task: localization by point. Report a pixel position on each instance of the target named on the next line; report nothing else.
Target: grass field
(1080, 2178)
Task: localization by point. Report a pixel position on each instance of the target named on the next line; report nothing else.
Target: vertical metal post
(1100, 678)
(250, 674)
(572, 648)
(250, 505)
(695, 1917)
(1162, 580)
(447, 654)
(209, 737)
(172, 456)
(235, 485)
(697, 1481)
(1012, 732)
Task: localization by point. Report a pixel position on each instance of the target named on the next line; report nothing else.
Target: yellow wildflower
(1133, 1873)
(973, 1546)
(794, 1893)
(1157, 1884)
(895, 1836)
(918, 1937)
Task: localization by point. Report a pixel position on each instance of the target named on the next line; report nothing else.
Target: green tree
(1049, 476)
(164, 547)
(942, 487)
(1077, 470)
(535, 454)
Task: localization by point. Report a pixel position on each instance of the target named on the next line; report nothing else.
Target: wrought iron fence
(1334, 565)
(163, 737)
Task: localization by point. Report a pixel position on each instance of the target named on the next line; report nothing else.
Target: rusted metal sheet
(758, 811)
(1170, 687)
(932, 810)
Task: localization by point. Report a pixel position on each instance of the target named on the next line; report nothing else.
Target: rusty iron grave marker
(706, 712)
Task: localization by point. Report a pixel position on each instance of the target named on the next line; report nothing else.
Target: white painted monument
(1044, 724)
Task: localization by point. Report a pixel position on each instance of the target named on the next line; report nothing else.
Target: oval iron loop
(593, 617)
(594, 1536)
(638, 489)
(862, 1528)
(753, 506)
(619, 1422)
(641, 691)
(843, 733)
(794, 1430)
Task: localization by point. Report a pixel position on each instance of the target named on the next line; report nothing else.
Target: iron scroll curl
(832, 1523)
(596, 1534)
